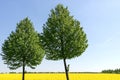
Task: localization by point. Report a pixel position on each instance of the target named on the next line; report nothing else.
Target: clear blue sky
(99, 18)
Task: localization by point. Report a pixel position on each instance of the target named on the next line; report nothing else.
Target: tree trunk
(23, 73)
(66, 71)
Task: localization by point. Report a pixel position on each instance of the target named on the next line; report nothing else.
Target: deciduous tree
(63, 37)
(22, 48)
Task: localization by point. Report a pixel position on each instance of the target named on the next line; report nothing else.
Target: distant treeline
(33, 72)
(117, 71)
(49, 72)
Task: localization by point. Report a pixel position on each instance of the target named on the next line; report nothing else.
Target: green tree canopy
(22, 47)
(63, 37)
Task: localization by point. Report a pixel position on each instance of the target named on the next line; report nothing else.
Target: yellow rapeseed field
(60, 76)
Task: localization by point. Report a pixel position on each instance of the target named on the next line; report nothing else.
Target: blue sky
(99, 18)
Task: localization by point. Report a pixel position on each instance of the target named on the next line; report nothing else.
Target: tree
(22, 48)
(63, 37)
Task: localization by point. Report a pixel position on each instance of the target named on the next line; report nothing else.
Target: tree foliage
(22, 47)
(63, 37)
(61, 31)
(117, 71)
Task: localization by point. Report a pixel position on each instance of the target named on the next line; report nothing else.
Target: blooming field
(60, 76)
